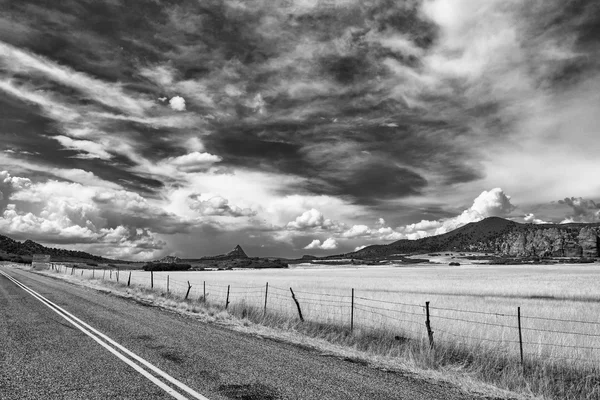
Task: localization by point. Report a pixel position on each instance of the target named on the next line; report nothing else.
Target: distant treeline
(166, 267)
(16, 259)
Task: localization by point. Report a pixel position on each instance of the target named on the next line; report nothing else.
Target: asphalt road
(43, 356)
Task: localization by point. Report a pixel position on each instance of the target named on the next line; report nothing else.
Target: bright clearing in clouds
(140, 129)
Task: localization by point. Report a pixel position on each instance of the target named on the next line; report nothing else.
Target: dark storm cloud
(310, 67)
(370, 102)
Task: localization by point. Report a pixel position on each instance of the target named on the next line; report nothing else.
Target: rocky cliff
(500, 236)
(544, 242)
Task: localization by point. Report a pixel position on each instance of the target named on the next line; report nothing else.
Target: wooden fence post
(167, 284)
(188, 291)
(118, 274)
(227, 300)
(520, 335)
(129, 280)
(72, 270)
(428, 326)
(352, 313)
(93, 272)
(110, 274)
(204, 291)
(151, 279)
(266, 295)
(103, 274)
(81, 271)
(297, 305)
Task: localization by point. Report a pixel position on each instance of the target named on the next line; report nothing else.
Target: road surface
(61, 341)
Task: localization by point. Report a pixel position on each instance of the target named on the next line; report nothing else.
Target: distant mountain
(28, 248)
(236, 253)
(501, 236)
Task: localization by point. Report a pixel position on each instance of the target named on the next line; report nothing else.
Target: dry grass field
(473, 314)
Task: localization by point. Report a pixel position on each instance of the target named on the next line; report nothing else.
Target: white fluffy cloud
(493, 203)
(312, 218)
(532, 219)
(328, 244)
(177, 103)
(14, 181)
(380, 232)
(210, 205)
(357, 231)
(112, 222)
(288, 208)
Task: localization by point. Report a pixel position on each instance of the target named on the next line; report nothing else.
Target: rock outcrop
(552, 242)
(237, 252)
(500, 236)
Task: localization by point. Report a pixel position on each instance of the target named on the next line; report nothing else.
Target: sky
(140, 129)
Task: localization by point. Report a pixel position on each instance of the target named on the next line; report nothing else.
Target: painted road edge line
(153, 368)
(66, 315)
(139, 369)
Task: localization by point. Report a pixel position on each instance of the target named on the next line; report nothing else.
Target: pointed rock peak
(238, 252)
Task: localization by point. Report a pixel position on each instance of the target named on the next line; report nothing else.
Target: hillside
(504, 237)
(10, 247)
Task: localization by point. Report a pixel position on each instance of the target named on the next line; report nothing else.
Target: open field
(475, 304)
(473, 311)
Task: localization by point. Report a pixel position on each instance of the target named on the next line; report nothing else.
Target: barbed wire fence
(521, 336)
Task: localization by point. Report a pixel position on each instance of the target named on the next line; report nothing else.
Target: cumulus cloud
(15, 182)
(584, 210)
(530, 218)
(357, 231)
(177, 103)
(210, 205)
(113, 222)
(379, 232)
(493, 203)
(310, 219)
(328, 244)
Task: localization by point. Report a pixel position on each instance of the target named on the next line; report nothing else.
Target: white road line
(80, 325)
(156, 370)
